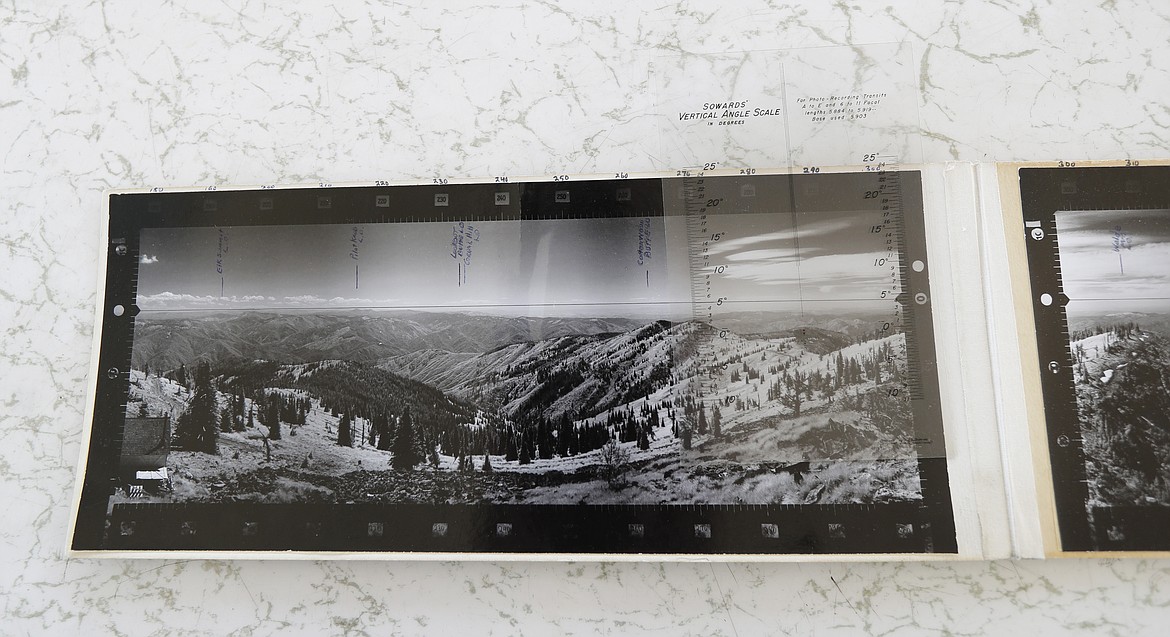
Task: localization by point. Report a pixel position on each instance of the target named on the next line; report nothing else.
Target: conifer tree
(525, 455)
(797, 385)
(273, 409)
(511, 453)
(196, 426)
(383, 427)
(238, 411)
(643, 438)
(547, 442)
(563, 428)
(345, 431)
(225, 419)
(405, 446)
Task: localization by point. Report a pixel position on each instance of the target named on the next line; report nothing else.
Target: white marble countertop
(120, 94)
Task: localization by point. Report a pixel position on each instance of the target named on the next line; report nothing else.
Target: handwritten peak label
(357, 235)
(1121, 241)
(644, 241)
(220, 250)
(463, 237)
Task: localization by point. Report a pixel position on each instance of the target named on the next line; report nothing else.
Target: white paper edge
(953, 335)
(984, 440)
(91, 379)
(1011, 400)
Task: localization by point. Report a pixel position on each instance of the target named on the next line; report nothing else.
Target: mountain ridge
(302, 338)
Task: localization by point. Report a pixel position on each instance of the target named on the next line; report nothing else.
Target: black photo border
(1044, 192)
(402, 530)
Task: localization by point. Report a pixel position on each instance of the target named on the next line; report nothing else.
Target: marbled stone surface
(120, 94)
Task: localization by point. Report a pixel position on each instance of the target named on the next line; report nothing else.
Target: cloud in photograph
(805, 256)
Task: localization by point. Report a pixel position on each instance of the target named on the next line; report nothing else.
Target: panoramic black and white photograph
(1115, 266)
(521, 362)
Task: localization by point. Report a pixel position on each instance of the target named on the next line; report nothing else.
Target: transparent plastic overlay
(827, 106)
(810, 299)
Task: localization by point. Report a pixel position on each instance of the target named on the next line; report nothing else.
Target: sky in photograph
(1115, 259)
(505, 267)
(636, 267)
(825, 261)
